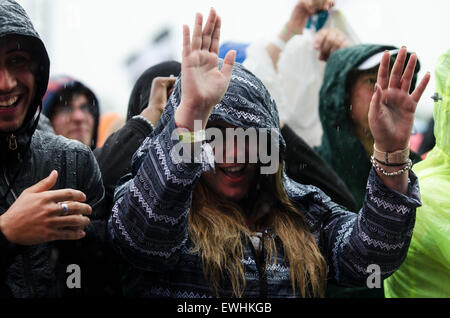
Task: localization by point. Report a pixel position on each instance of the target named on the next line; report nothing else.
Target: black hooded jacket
(40, 270)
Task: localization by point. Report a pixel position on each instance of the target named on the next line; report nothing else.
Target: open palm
(391, 113)
(203, 84)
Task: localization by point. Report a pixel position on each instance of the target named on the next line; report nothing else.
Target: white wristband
(279, 43)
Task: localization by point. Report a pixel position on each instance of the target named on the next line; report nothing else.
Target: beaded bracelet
(407, 167)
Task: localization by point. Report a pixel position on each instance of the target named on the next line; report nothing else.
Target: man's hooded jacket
(40, 270)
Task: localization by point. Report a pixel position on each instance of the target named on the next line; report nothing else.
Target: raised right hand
(203, 85)
(36, 216)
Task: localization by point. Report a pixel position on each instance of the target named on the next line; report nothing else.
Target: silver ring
(65, 208)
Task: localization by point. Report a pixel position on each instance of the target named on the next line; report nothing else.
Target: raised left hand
(391, 113)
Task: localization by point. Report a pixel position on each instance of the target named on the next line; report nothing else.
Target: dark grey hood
(14, 21)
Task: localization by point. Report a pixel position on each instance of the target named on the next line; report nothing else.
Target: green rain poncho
(340, 146)
(426, 270)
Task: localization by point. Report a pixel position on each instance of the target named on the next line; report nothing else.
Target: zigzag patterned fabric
(149, 223)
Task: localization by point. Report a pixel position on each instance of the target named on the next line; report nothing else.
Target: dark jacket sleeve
(100, 274)
(380, 234)
(148, 225)
(114, 158)
(305, 166)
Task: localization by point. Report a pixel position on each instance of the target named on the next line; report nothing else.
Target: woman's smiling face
(231, 179)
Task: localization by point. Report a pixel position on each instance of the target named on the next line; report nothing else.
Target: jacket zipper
(260, 266)
(12, 141)
(25, 256)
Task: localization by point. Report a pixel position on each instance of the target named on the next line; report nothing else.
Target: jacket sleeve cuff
(377, 189)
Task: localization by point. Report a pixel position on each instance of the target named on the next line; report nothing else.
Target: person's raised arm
(296, 23)
(160, 192)
(203, 84)
(391, 117)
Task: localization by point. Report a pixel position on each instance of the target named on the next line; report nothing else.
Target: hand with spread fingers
(391, 113)
(203, 85)
(42, 215)
(392, 108)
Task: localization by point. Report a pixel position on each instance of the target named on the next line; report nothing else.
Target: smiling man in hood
(51, 193)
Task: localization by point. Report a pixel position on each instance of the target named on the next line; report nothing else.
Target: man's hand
(161, 89)
(203, 85)
(37, 215)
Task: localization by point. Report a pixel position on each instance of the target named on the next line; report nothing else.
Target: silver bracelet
(390, 174)
(144, 119)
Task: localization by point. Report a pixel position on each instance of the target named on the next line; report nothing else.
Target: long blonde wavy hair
(219, 232)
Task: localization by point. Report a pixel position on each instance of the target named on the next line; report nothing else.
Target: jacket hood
(441, 110)
(340, 147)
(57, 85)
(14, 21)
(141, 91)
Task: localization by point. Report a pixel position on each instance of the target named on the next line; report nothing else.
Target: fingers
(186, 41)
(163, 82)
(206, 40)
(216, 37)
(397, 69)
(376, 100)
(383, 71)
(421, 87)
(72, 221)
(45, 184)
(68, 235)
(208, 30)
(228, 63)
(65, 195)
(74, 208)
(197, 35)
(319, 38)
(405, 83)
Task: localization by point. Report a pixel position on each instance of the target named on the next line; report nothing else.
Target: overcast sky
(92, 39)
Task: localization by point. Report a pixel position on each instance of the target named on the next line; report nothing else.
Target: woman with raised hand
(220, 226)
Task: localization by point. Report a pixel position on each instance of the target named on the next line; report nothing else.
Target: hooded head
(62, 94)
(14, 22)
(142, 88)
(341, 147)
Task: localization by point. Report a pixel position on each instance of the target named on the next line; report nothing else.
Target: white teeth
(234, 169)
(9, 102)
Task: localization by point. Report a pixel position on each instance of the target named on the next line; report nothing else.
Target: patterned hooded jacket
(148, 226)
